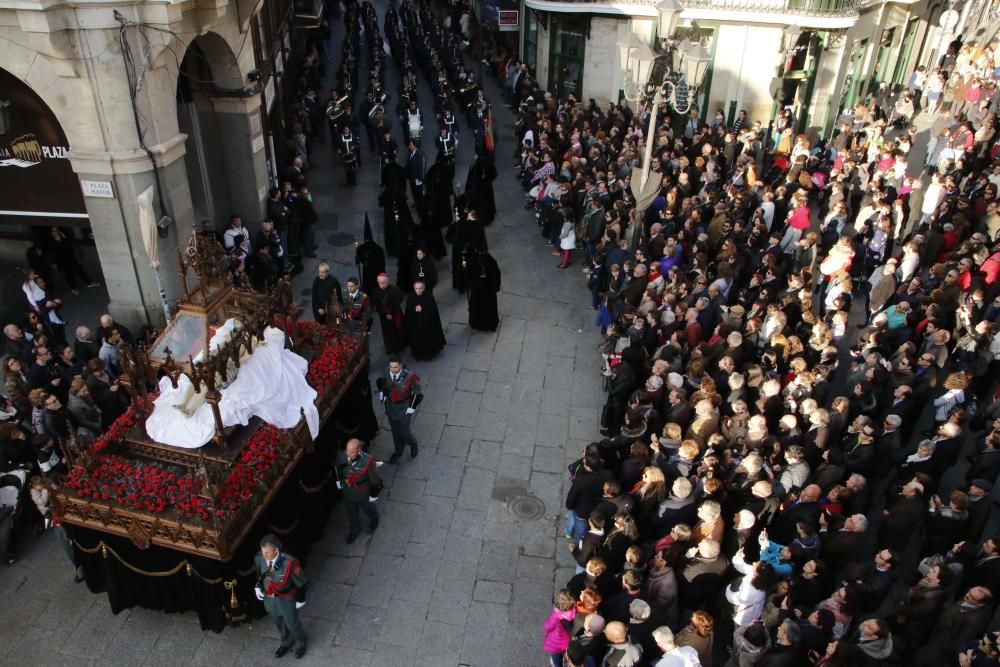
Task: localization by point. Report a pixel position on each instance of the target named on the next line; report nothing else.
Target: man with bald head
(590, 639)
(621, 651)
(357, 478)
(108, 324)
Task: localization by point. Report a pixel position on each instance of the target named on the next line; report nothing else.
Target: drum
(415, 128)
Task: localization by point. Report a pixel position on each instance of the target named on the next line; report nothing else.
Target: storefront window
(568, 43)
(531, 40)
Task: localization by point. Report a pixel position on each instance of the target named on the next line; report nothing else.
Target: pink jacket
(556, 638)
(800, 218)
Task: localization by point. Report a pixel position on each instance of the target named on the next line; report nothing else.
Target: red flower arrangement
(116, 432)
(138, 485)
(159, 489)
(248, 475)
(331, 362)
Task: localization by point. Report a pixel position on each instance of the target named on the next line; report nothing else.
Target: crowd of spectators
(799, 350)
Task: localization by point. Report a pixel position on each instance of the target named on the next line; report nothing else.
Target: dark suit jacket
(416, 165)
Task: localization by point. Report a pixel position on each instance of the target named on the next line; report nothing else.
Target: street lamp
(668, 13)
(625, 47)
(695, 66)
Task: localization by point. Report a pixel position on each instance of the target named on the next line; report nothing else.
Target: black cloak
(479, 189)
(436, 211)
(423, 328)
(412, 269)
(397, 220)
(466, 236)
(482, 275)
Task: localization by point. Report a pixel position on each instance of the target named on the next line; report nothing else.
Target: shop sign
(508, 20)
(36, 178)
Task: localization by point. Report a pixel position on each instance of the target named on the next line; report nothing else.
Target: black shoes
(299, 652)
(282, 650)
(395, 457)
(413, 452)
(350, 540)
(374, 524)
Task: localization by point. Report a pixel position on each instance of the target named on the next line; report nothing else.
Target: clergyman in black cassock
(388, 301)
(482, 275)
(370, 259)
(423, 323)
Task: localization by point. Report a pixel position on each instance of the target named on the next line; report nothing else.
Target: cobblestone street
(462, 568)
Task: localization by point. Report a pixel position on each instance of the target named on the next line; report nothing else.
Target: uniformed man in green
(399, 389)
(357, 474)
(281, 586)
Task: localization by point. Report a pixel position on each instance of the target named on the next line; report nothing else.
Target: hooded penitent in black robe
(411, 269)
(370, 259)
(467, 235)
(388, 304)
(437, 210)
(397, 221)
(482, 275)
(423, 328)
(479, 189)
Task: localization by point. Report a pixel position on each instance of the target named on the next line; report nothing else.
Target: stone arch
(211, 113)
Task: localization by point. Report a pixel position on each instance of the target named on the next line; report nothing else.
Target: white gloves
(372, 499)
(260, 593)
(299, 605)
(381, 397)
(410, 411)
(339, 485)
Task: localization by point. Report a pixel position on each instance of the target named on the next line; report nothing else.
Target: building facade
(169, 111)
(823, 55)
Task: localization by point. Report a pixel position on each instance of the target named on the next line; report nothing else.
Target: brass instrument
(335, 109)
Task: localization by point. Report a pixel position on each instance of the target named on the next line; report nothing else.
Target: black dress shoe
(413, 452)
(395, 458)
(350, 540)
(282, 650)
(299, 652)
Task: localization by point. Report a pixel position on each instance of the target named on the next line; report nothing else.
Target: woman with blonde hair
(953, 397)
(648, 493)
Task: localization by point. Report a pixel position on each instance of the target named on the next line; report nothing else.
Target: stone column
(131, 282)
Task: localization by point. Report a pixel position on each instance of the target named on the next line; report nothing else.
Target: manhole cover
(526, 508)
(340, 239)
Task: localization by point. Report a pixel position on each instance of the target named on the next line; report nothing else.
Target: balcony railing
(803, 7)
(809, 7)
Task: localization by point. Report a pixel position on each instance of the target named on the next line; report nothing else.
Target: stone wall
(71, 57)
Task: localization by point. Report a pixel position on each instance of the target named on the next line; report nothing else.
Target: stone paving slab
(451, 577)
